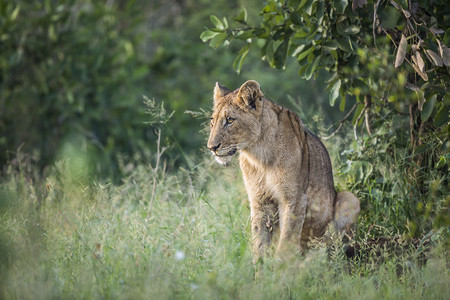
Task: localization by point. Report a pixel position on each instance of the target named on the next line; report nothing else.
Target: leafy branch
(362, 47)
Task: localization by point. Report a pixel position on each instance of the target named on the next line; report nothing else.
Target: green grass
(65, 236)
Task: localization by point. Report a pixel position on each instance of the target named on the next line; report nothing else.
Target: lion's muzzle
(222, 154)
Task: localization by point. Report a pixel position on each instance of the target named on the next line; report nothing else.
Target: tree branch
(375, 19)
(357, 121)
(367, 102)
(341, 123)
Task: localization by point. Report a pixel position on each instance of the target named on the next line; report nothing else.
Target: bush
(69, 70)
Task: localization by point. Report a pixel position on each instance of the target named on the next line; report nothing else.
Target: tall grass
(63, 235)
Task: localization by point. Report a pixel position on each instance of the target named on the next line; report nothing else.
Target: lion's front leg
(263, 223)
(292, 217)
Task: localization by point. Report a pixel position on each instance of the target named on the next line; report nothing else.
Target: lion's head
(235, 120)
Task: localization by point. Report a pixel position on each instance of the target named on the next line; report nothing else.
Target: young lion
(286, 169)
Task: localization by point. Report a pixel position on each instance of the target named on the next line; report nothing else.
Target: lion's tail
(346, 212)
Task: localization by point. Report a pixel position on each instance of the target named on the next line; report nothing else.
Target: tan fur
(286, 169)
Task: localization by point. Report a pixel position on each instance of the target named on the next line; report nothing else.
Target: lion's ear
(220, 91)
(251, 95)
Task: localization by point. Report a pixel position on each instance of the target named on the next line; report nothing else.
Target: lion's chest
(264, 183)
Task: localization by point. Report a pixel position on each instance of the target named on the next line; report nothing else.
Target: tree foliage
(390, 59)
(69, 69)
(356, 44)
(74, 72)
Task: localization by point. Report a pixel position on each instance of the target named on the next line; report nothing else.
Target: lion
(286, 170)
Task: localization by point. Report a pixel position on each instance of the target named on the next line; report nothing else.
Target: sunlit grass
(75, 239)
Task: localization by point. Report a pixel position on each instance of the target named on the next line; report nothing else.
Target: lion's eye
(230, 120)
(212, 122)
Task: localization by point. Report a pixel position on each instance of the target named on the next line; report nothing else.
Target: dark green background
(75, 72)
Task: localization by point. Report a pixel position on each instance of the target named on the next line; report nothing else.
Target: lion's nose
(214, 148)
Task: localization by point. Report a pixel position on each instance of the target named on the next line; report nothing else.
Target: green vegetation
(62, 238)
(106, 193)
(74, 72)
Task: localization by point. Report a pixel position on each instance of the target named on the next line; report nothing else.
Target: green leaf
(319, 11)
(261, 33)
(309, 6)
(267, 51)
(345, 44)
(342, 105)
(207, 35)
(390, 17)
(328, 60)
(296, 50)
(279, 34)
(340, 5)
(243, 35)
(264, 49)
(302, 4)
(330, 45)
(447, 37)
(420, 98)
(242, 16)
(292, 49)
(299, 36)
(353, 45)
(447, 99)
(312, 67)
(237, 64)
(428, 108)
(441, 117)
(296, 18)
(270, 7)
(445, 56)
(421, 148)
(442, 162)
(352, 29)
(15, 13)
(310, 57)
(358, 111)
(304, 53)
(280, 54)
(302, 70)
(225, 23)
(215, 20)
(360, 87)
(218, 40)
(334, 93)
(404, 4)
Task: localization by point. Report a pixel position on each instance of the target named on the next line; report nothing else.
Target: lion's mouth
(232, 152)
(224, 157)
(229, 153)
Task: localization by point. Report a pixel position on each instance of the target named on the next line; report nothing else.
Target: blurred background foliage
(75, 72)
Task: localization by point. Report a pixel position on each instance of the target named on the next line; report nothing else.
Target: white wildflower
(179, 255)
